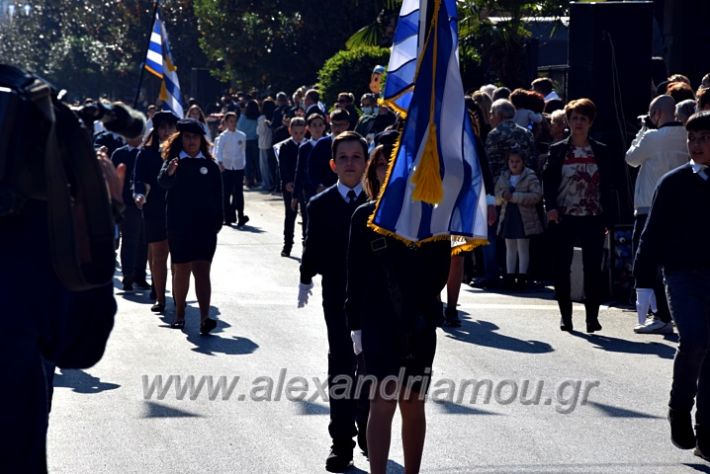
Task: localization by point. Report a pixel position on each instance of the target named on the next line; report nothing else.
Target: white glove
(356, 336)
(645, 299)
(304, 291)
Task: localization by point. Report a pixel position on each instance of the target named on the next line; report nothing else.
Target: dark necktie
(351, 197)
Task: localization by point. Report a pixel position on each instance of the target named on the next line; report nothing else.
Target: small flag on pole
(159, 62)
(434, 186)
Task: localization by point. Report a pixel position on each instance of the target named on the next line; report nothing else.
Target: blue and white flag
(434, 186)
(406, 47)
(159, 62)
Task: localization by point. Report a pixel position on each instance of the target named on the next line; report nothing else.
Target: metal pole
(150, 32)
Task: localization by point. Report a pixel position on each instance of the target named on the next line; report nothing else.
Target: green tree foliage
(96, 47)
(279, 44)
(349, 71)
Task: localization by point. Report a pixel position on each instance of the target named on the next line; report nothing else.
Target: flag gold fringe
(427, 177)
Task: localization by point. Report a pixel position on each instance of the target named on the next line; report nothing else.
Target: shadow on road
(310, 408)
(618, 412)
(155, 410)
(483, 333)
(81, 382)
(613, 344)
(698, 467)
(452, 408)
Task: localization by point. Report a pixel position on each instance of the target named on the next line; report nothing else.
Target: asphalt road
(601, 407)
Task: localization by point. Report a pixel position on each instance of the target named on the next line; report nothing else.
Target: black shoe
(484, 283)
(142, 284)
(127, 284)
(338, 461)
(207, 325)
(158, 308)
(242, 222)
(682, 435)
(178, 324)
(451, 318)
(566, 324)
(286, 251)
(593, 326)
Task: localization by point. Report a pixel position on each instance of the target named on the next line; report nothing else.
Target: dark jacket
(194, 196)
(319, 171)
(287, 156)
(301, 182)
(127, 156)
(377, 264)
(147, 167)
(326, 243)
(552, 178)
(677, 224)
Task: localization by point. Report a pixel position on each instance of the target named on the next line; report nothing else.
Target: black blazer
(377, 265)
(194, 196)
(326, 245)
(552, 177)
(288, 156)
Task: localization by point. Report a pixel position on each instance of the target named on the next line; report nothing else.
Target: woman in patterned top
(578, 196)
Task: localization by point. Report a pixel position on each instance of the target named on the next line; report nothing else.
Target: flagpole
(147, 46)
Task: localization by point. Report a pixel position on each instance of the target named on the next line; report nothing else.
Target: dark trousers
(252, 171)
(589, 233)
(233, 183)
(689, 303)
(289, 219)
(347, 415)
(650, 281)
(134, 248)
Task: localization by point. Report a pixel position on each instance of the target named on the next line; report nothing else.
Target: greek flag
(434, 186)
(159, 62)
(406, 45)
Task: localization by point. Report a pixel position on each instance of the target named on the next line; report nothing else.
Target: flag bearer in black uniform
(325, 252)
(194, 216)
(392, 307)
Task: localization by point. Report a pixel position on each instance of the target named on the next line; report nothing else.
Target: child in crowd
(518, 191)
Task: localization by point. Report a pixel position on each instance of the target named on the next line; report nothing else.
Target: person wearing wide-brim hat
(150, 198)
(194, 216)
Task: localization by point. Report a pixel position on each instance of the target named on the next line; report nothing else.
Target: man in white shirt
(230, 151)
(659, 147)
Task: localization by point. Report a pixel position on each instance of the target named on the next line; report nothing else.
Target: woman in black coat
(150, 197)
(194, 216)
(392, 306)
(580, 202)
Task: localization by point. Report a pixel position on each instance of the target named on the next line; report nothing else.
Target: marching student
(392, 309)
(287, 158)
(150, 197)
(315, 125)
(325, 252)
(671, 239)
(320, 173)
(230, 151)
(194, 216)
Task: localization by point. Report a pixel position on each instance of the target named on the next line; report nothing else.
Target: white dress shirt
(230, 150)
(344, 190)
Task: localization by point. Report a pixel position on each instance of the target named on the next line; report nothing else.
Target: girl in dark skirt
(194, 216)
(150, 197)
(392, 307)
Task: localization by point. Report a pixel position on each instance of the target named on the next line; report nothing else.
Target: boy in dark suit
(675, 238)
(325, 252)
(287, 156)
(318, 168)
